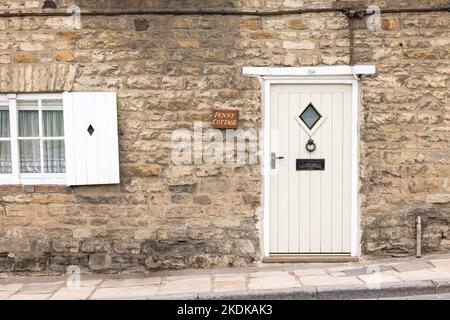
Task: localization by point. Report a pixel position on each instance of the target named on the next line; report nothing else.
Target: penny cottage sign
(225, 119)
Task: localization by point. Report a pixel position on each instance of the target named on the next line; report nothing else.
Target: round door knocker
(310, 146)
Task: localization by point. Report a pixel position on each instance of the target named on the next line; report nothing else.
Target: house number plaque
(310, 164)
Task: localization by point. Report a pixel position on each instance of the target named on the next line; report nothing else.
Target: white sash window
(56, 139)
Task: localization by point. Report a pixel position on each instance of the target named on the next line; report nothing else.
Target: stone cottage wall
(169, 71)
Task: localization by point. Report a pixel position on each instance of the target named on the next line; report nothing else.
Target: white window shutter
(91, 158)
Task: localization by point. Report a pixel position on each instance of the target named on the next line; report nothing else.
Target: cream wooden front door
(310, 210)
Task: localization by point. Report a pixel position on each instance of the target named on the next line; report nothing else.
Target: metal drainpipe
(351, 37)
(353, 14)
(418, 237)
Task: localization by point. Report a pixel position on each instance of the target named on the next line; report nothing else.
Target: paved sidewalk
(364, 279)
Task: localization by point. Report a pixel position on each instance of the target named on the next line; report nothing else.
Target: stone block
(93, 245)
(31, 262)
(251, 24)
(29, 46)
(299, 45)
(202, 200)
(189, 44)
(390, 24)
(440, 198)
(261, 36)
(141, 24)
(65, 56)
(298, 24)
(70, 35)
(99, 261)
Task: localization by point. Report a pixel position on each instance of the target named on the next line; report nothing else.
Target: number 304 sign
(225, 119)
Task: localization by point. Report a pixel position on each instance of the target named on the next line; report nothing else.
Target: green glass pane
(310, 116)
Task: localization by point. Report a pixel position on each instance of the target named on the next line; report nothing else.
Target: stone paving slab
(6, 294)
(265, 274)
(382, 277)
(180, 286)
(11, 286)
(366, 279)
(311, 272)
(91, 282)
(441, 263)
(412, 266)
(366, 270)
(338, 274)
(130, 282)
(123, 293)
(229, 282)
(175, 278)
(222, 286)
(423, 275)
(327, 280)
(20, 296)
(42, 288)
(66, 293)
(271, 282)
(342, 268)
(230, 277)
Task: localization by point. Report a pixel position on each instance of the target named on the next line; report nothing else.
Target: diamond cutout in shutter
(310, 116)
(90, 129)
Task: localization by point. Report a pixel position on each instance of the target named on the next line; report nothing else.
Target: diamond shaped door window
(310, 118)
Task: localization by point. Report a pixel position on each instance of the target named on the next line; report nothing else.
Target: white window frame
(15, 177)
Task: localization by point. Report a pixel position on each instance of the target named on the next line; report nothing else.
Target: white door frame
(311, 75)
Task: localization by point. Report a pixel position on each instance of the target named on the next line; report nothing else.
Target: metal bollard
(418, 237)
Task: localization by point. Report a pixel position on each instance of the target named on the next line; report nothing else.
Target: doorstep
(290, 258)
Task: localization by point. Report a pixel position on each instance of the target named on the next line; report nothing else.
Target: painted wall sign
(225, 119)
(310, 164)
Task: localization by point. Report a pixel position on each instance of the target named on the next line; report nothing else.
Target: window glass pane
(30, 156)
(53, 123)
(4, 123)
(52, 103)
(28, 123)
(54, 156)
(5, 157)
(27, 104)
(310, 116)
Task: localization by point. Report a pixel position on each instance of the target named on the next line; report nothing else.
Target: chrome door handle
(273, 160)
